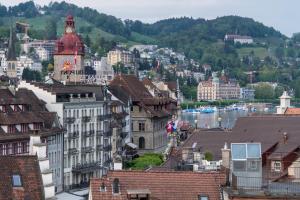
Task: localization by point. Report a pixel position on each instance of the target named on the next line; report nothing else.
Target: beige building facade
(119, 56)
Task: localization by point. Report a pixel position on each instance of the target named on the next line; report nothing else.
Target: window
(140, 109)
(203, 197)
(141, 126)
(116, 188)
(277, 166)
(16, 180)
(142, 143)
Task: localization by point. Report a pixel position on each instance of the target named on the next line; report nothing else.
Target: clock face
(69, 29)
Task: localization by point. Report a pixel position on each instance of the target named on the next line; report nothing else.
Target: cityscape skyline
(152, 11)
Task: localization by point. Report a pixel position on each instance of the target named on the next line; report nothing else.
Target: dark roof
(165, 185)
(267, 130)
(28, 169)
(172, 86)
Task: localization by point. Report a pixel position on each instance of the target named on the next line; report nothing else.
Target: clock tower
(69, 54)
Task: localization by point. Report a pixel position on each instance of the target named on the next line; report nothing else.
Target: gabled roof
(162, 185)
(28, 169)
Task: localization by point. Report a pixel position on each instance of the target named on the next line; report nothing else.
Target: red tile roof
(28, 169)
(292, 111)
(163, 185)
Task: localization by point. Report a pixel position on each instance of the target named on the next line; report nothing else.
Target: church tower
(11, 55)
(69, 55)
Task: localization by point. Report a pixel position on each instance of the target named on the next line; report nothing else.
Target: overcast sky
(283, 15)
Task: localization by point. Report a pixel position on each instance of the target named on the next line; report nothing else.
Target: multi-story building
(247, 93)
(218, 88)
(119, 55)
(22, 114)
(104, 71)
(149, 114)
(42, 53)
(48, 45)
(85, 112)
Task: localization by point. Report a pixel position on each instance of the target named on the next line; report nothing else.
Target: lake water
(228, 118)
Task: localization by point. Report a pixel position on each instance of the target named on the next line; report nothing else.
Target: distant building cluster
(242, 39)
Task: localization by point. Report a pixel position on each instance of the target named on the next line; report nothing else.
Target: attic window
(16, 180)
(116, 186)
(203, 197)
(102, 188)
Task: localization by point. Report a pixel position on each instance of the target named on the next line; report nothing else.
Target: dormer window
(102, 187)
(11, 129)
(24, 128)
(36, 126)
(277, 166)
(116, 186)
(16, 180)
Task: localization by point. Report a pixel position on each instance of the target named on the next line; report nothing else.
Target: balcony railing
(99, 133)
(87, 149)
(100, 117)
(70, 120)
(107, 147)
(99, 147)
(257, 185)
(73, 135)
(86, 167)
(73, 151)
(107, 133)
(88, 133)
(107, 162)
(86, 119)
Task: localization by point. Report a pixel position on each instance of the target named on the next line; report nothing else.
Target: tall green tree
(51, 29)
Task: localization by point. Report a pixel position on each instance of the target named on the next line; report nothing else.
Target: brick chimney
(226, 156)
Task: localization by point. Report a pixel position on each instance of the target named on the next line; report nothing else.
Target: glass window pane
(238, 151)
(253, 150)
(16, 180)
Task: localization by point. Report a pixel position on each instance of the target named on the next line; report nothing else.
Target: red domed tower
(69, 54)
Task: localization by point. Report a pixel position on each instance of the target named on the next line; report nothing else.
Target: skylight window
(16, 180)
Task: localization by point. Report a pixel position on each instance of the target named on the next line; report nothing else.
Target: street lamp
(196, 121)
(220, 120)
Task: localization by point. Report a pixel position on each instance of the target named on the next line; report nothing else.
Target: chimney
(285, 137)
(226, 156)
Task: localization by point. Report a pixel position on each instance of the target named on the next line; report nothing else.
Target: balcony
(85, 119)
(73, 135)
(87, 149)
(86, 167)
(72, 151)
(70, 120)
(99, 147)
(107, 162)
(88, 133)
(100, 117)
(107, 147)
(107, 133)
(99, 133)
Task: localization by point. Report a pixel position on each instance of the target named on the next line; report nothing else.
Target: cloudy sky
(283, 15)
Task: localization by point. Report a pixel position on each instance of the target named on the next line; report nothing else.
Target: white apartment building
(104, 71)
(242, 39)
(42, 53)
(85, 113)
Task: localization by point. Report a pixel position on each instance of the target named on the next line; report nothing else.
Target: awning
(131, 145)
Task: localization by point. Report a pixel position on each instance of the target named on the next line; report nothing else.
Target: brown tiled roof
(163, 185)
(148, 82)
(28, 168)
(19, 118)
(292, 111)
(131, 85)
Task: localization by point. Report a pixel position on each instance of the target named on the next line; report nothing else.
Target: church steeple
(11, 53)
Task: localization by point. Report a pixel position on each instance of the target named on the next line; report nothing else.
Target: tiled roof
(28, 169)
(266, 129)
(292, 111)
(163, 185)
(172, 86)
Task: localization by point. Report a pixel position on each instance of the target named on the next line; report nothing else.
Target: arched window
(142, 143)
(116, 188)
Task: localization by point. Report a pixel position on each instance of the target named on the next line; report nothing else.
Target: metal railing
(99, 147)
(107, 147)
(253, 185)
(107, 133)
(73, 135)
(70, 120)
(86, 119)
(86, 167)
(87, 149)
(89, 133)
(72, 151)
